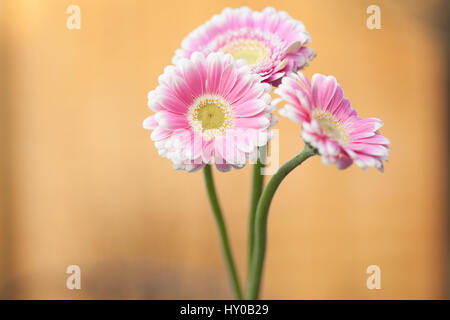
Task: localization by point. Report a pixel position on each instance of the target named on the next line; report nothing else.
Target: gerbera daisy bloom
(330, 124)
(270, 42)
(210, 110)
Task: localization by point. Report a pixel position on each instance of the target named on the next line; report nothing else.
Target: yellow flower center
(330, 126)
(251, 51)
(249, 55)
(210, 115)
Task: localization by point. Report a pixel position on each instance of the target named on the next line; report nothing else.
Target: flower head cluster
(270, 42)
(210, 109)
(214, 105)
(330, 124)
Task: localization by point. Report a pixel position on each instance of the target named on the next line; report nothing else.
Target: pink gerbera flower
(210, 110)
(270, 42)
(330, 124)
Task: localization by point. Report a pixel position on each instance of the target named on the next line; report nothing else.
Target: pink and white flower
(210, 110)
(330, 124)
(270, 42)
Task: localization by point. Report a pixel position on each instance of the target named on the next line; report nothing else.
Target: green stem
(262, 212)
(257, 187)
(222, 231)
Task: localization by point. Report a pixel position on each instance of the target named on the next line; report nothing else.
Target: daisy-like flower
(210, 109)
(270, 42)
(330, 124)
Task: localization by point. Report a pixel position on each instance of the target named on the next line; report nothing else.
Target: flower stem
(257, 187)
(222, 231)
(262, 212)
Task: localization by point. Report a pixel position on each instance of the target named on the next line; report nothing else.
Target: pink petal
(249, 108)
(170, 120)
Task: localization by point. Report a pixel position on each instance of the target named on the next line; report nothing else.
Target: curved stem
(222, 231)
(261, 219)
(257, 187)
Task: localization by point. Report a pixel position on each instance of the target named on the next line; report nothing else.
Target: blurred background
(82, 183)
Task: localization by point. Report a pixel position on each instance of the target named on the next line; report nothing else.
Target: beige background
(81, 182)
